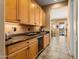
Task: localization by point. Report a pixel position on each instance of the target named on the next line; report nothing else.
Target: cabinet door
(48, 39)
(20, 54)
(33, 50)
(23, 11)
(37, 15)
(11, 10)
(41, 17)
(44, 42)
(32, 12)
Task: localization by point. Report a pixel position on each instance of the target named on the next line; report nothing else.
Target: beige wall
(47, 10)
(2, 43)
(72, 27)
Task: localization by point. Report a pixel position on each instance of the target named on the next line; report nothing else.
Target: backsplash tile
(9, 27)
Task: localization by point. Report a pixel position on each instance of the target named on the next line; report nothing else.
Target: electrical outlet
(14, 29)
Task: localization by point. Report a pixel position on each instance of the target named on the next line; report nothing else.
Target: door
(20, 54)
(23, 11)
(11, 10)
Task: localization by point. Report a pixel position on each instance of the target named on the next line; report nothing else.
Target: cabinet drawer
(31, 41)
(15, 47)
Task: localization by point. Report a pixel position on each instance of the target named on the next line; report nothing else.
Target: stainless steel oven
(40, 43)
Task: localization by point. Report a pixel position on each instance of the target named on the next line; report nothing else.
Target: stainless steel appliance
(40, 42)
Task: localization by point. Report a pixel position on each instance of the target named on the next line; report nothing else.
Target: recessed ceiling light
(56, 5)
(33, 5)
(55, 0)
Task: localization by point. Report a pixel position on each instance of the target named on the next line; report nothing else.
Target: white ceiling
(58, 13)
(46, 2)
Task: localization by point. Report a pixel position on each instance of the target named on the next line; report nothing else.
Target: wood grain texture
(10, 10)
(23, 11)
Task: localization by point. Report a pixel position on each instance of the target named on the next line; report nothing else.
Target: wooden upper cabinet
(31, 12)
(37, 14)
(23, 11)
(11, 10)
(43, 18)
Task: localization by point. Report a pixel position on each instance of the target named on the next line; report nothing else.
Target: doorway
(58, 32)
(58, 25)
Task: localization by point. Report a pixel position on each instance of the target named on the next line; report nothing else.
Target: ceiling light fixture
(33, 5)
(56, 6)
(55, 0)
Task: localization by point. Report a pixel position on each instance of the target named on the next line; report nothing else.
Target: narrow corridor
(56, 49)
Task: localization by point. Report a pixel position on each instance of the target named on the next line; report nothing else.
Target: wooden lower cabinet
(33, 50)
(46, 40)
(20, 54)
(25, 52)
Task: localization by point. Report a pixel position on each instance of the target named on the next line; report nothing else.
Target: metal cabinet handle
(27, 42)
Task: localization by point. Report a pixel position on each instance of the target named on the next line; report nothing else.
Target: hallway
(56, 49)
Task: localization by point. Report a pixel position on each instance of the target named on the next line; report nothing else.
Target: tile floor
(56, 50)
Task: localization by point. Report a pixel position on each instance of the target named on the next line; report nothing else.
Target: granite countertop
(20, 38)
